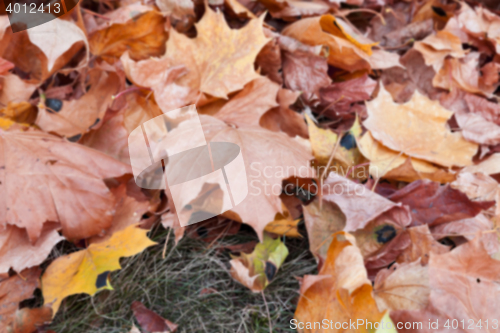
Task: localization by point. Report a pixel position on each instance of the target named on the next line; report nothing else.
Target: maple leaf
(435, 48)
(256, 270)
(79, 271)
(220, 60)
(418, 129)
(66, 187)
(340, 291)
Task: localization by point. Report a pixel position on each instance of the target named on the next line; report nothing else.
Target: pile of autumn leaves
(402, 109)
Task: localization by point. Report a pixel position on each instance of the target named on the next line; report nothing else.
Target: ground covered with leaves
(370, 135)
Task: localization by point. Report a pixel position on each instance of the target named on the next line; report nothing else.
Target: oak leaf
(418, 129)
(79, 271)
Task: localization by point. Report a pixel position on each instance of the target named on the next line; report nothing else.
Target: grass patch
(173, 287)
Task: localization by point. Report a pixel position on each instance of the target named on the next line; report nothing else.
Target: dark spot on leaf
(348, 141)
(75, 138)
(54, 104)
(101, 280)
(478, 280)
(335, 24)
(96, 122)
(439, 11)
(385, 234)
(188, 207)
(202, 232)
(447, 242)
(270, 270)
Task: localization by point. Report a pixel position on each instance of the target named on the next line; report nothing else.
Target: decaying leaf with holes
(257, 269)
(86, 271)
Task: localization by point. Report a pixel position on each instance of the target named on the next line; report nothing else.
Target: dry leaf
(340, 291)
(81, 271)
(435, 48)
(77, 116)
(257, 269)
(150, 321)
(66, 188)
(18, 253)
(418, 129)
(142, 37)
(219, 60)
(489, 166)
(294, 8)
(421, 246)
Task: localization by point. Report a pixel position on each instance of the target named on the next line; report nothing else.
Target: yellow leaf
(390, 164)
(329, 24)
(220, 60)
(78, 272)
(284, 225)
(419, 129)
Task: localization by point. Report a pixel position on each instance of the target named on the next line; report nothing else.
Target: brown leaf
(77, 116)
(219, 60)
(340, 291)
(178, 8)
(437, 47)
(150, 321)
(284, 119)
(477, 129)
(418, 129)
(305, 72)
(27, 320)
(402, 287)
(13, 290)
(269, 61)
(341, 51)
(360, 205)
(489, 166)
(433, 204)
(421, 246)
(294, 8)
(18, 253)
(248, 105)
(128, 211)
(14, 89)
(68, 183)
(144, 36)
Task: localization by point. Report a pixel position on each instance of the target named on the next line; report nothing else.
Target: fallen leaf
(489, 166)
(340, 291)
(27, 320)
(55, 38)
(142, 37)
(478, 187)
(22, 112)
(269, 60)
(293, 8)
(13, 290)
(77, 116)
(305, 72)
(14, 89)
(418, 129)
(284, 119)
(257, 269)
(389, 164)
(128, 211)
(435, 48)
(5, 66)
(219, 70)
(477, 129)
(150, 321)
(68, 183)
(422, 246)
(360, 205)
(284, 225)
(343, 50)
(18, 253)
(402, 287)
(248, 105)
(433, 204)
(81, 271)
(178, 8)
